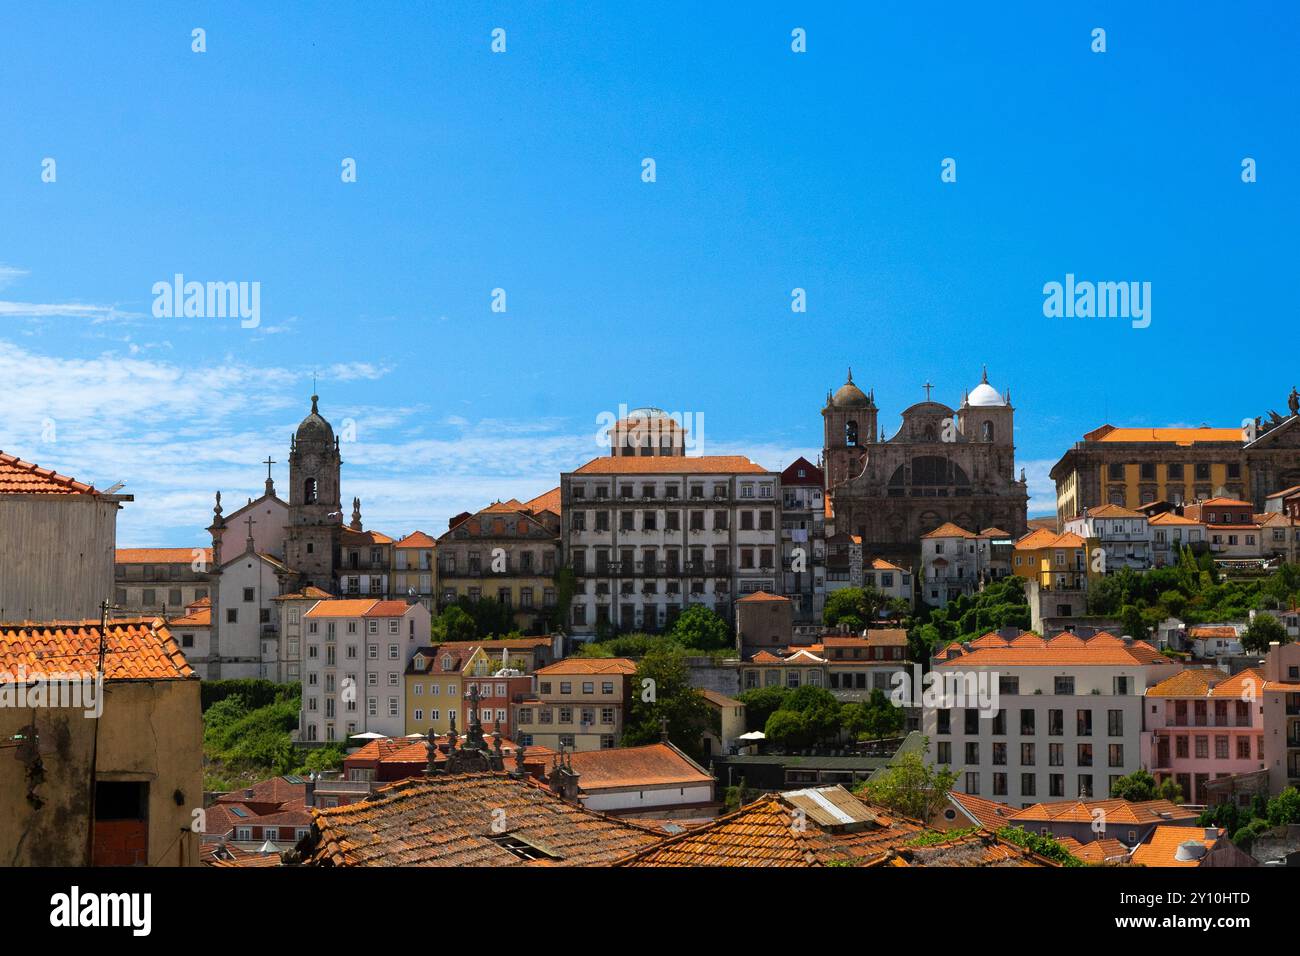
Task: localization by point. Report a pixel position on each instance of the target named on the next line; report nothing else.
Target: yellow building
(1057, 562)
(580, 703)
(508, 551)
(1132, 467)
(413, 569)
(434, 688)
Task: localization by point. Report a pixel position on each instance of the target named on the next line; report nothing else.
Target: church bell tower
(315, 509)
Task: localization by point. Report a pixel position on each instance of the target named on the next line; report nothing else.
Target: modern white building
(355, 653)
(647, 536)
(1122, 535)
(1066, 719)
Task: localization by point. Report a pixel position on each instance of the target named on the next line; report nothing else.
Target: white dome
(984, 395)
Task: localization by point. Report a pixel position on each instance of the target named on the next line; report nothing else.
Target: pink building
(1201, 724)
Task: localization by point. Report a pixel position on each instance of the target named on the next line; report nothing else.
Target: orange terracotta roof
(1161, 848)
(1285, 492)
(671, 464)
(760, 596)
(136, 649)
(416, 539)
(1097, 852)
(949, 530)
(309, 593)
(987, 813)
(654, 765)
(875, 637)
(1116, 812)
(18, 477)
(1032, 650)
(1224, 631)
(350, 538)
(1179, 436)
(549, 501)
(444, 821)
(1112, 511)
(1169, 518)
(342, 607)
(1045, 538)
(1225, 503)
(199, 617)
(994, 533)
(590, 665)
(717, 699)
(388, 609)
(161, 555)
(880, 564)
(1189, 682)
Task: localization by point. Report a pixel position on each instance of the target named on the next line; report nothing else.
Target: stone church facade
(941, 465)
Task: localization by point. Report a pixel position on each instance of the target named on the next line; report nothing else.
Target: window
(1064, 686)
(1083, 723)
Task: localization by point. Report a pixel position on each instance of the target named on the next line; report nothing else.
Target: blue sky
(522, 171)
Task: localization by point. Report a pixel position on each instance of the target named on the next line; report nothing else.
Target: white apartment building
(1123, 536)
(888, 579)
(355, 652)
(1170, 533)
(952, 561)
(803, 540)
(649, 535)
(1067, 720)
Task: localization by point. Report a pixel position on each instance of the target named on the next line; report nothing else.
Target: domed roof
(849, 394)
(985, 395)
(314, 427)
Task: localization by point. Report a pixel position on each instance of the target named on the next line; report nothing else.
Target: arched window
(987, 431)
(851, 434)
(309, 491)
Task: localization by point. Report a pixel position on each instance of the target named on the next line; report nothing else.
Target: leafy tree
(1044, 846)
(1169, 789)
(874, 718)
(454, 624)
(1284, 808)
(491, 617)
(1263, 631)
(1139, 785)
(566, 584)
(820, 710)
(670, 697)
(856, 607)
(1133, 622)
(760, 703)
(702, 628)
(910, 786)
(788, 728)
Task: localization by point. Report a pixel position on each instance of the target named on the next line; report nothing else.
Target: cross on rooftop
(928, 387)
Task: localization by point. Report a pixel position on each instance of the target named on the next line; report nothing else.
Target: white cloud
(10, 274)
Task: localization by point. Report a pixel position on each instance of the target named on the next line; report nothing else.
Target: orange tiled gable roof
(388, 609)
(310, 592)
(717, 698)
(1045, 538)
(994, 533)
(590, 665)
(671, 465)
(875, 637)
(272, 793)
(1225, 503)
(1096, 852)
(1113, 511)
(764, 834)
(416, 539)
(654, 765)
(1223, 631)
(356, 539)
(379, 748)
(1169, 518)
(1161, 848)
(1065, 649)
(880, 564)
(503, 507)
(1116, 812)
(341, 607)
(1188, 682)
(161, 555)
(548, 501)
(1177, 436)
(135, 649)
(949, 530)
(987, 813)
(194, 617)
(445, 821)
(1243, 685)
(758, 596)
(1285, 492)
(18, 477)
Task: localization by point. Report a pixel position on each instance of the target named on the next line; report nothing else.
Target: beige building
(580, 704)
(729, 722)
(65, 532)
(161, 581)
(413, 569)
(508, 552)
(99, 782)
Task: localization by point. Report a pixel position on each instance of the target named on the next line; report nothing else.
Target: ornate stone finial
(356, 514)
(431, 750)
(985, 378)
(1022, 475)
(219, 521)
(451, 734)
(315, 409)
(1293, 402)
(519, 760)
(850, 373)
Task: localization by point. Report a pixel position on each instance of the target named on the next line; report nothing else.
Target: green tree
(1133, 622)
(820, 710)
(701, 628)
(855, 607)
(788, 728)
(910, 786)
(760, 703)
(1284, 808)
(1139, 785)
(874, 718)
(1263, 631)
(661, 690)
(454, 624)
